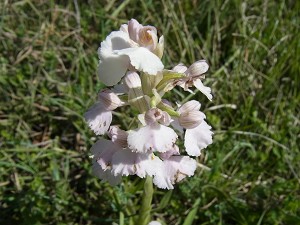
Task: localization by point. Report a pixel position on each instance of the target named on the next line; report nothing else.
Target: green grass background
(48, 78)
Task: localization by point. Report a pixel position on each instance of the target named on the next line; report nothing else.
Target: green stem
(145, 210)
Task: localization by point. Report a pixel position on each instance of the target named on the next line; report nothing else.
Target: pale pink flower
(103, 151)
(173, 170)
(145, 36)
(99, 116)
(197, 137)
(120, 161)
(194, 74)
(119, 52)
(126, 162)
(154, 136)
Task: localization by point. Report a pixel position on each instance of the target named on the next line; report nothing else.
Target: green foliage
(48, 78)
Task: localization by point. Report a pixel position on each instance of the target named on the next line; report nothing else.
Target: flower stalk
(145, 210)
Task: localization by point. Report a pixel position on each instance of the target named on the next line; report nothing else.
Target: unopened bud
(132, 80)
(136, 96)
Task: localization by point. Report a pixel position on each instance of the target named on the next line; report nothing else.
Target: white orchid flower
(198, 136)
(173, 170)
(153, 137)
(128, 49)
(99, 116)
(194, 74)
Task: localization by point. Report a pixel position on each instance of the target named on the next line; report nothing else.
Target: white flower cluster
(130, 62)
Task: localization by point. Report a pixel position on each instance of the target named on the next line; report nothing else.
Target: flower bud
(132, 80)
(109, 100)
(191, 119)
(136, 96)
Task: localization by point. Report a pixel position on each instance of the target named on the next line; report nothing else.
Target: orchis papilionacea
(130, 64)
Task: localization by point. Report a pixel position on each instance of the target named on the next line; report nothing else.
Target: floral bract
(130, 63)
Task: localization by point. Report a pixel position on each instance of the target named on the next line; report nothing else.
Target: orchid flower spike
(130, 62)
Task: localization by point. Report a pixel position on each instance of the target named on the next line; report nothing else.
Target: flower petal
(198, 68)
(133, 29)
(142, 59)
(171, 152)
(155, 137)
(103, 151)
(205, 90)
(173, 170)
(105, 175)
(180, 68)
(98, 118)
(197, 138)
(192, 105)
(112, 69)
(126, 162)
(116, 40)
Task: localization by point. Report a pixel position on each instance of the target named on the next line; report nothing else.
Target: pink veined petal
(142, 59)
(180, 68)
(98, 118)
(174, 170)
(197, 139)
(155, 137)
(198, 68)
(133, 29)
(126, 162)
(192, 105)
(205, 90)
(105, 175)
(103, 151)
